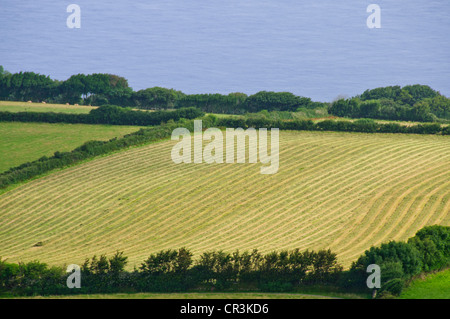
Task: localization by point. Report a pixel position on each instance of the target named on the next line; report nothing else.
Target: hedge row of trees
(101, 89)
(360, 125)
(428, 250)
(95, 89)
(107, 114)
(410, 103)
(176, 270)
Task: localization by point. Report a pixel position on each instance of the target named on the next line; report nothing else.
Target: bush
(365, 125)
(107, 114)
(393, 287)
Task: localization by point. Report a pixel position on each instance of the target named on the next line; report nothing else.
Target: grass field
(434, 286)
(23, 142)
(246, 295)
(9, 106)
(344, 191)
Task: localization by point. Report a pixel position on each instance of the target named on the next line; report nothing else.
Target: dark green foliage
(393, 287)
(97, 89)
(439, 106)
(232, 103)
(103, 274)
(428, 250)
(26, 86)
(32, 278)
(410, 103)
(446, 130)
(275, 101)
(369, 109)
(107, 114)
(175, 270)
(420, 92)
(167, 261)
(433, 243)
(344, 108)
(117, 262)
(156, 98)
(365, 125)
(360, 125)
(389, 92)
(407, 255)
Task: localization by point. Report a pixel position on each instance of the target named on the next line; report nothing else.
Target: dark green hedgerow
(108, 114)
(287, 270)
(175, 270)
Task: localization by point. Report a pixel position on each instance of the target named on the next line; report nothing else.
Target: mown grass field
(24, 142)
(433, 286)
(9, 106)
(344, 191)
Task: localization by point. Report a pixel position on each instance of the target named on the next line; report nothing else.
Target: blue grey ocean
(315, 48)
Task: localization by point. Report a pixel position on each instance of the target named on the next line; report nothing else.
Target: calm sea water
(320, 49)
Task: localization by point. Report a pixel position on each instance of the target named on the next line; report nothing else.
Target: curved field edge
(344, 191)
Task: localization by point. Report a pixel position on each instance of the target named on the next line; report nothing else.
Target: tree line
(101, 89)
(408, 103)
(360, 125)
(93, 89)
(175, 270)
(115, 115)
(107, 114)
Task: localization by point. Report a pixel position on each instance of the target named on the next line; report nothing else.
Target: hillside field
(344, 191)
(23, 142)
(10, 106)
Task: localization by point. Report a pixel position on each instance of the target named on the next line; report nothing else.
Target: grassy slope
(23, 142)
(8, 106)
(343, 191)
(434, 286)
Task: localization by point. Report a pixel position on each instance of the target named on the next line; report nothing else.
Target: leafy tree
(117, 262)
(345, 108)
(389, 92)
(439, 106)
(433, 243)
(405, 254)
(419, 92)
(369, 109)
(275, 101)
(156, 98)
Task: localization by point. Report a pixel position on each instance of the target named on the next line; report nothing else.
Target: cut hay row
(343, 191)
